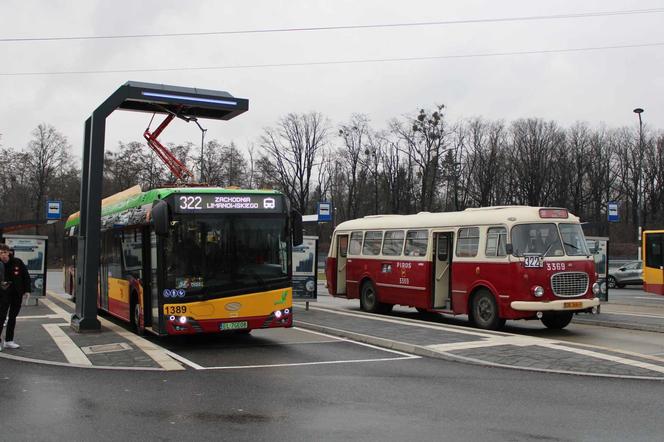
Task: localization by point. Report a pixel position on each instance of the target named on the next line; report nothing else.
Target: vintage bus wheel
(557, 321)
(485, 311)
(368, 299)
(611, 282)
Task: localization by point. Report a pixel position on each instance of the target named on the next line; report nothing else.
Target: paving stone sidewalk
(479, 346)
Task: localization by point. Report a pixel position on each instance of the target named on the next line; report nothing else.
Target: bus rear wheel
(557, 321)
(484, 311)
(369, 300)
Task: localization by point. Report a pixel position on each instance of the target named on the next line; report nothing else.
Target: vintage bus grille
(568, 284)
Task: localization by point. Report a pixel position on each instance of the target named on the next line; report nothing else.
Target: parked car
(628, 274)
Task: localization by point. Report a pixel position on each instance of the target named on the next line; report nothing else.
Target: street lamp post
(639, 198)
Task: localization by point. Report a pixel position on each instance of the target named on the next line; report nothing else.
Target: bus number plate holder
(572, 304)
(533, 262)
(240, 325)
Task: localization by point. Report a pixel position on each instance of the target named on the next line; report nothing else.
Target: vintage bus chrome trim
(569, 284)
(534, 306)
(459, 291)
(400, 286)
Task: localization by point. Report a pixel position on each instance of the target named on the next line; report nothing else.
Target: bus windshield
(573, 240)
(540, 239)
(212, 255)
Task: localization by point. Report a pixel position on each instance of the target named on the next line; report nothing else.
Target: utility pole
(639, 190)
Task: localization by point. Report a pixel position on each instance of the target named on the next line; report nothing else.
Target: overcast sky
(595, 86)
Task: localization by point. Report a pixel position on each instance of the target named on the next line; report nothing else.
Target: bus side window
(372, 243)
(654, 255)
(393, 243)
(355, 246)
(495, 242)
(468, 242)
(416, 243)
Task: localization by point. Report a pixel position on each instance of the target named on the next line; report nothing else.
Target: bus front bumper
(558, 305)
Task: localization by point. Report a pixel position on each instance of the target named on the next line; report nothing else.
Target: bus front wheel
(557, 321)
(484, 311)
(369, 299)
(136, 315)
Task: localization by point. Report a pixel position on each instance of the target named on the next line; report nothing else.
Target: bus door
(342, 251)
(442, 261)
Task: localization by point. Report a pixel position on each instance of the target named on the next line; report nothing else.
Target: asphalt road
(358, 392)
(409, 399)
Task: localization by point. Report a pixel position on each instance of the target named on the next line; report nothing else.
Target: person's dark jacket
(17, 273)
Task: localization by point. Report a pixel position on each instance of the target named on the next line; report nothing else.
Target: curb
(623, 325)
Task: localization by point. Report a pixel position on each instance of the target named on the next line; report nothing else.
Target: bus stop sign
(324, 211)
(53, 209)
(614, 217)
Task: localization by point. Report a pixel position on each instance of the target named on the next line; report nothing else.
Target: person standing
(14, 286)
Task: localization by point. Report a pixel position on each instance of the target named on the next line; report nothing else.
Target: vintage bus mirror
(509, 249)
(160, 217)
(296, 219)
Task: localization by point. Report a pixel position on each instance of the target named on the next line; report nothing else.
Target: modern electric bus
(653, 261)
(492, 264)
(193, 260)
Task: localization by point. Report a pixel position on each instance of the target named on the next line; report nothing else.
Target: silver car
(630, 273)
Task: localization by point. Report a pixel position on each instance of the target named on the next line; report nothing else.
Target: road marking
(402, 321)
(53, 316)
(299, 364)
(69, 349)
(618, 359)
(516, 340)
(184, 360)
(358, 343)
(157, 353)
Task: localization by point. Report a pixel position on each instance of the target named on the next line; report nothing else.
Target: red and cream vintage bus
(492, 264)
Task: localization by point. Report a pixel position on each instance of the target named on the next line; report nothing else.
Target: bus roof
(507, 215)
(135, 197)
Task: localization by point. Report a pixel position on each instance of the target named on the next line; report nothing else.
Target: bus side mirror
(296, 222)
(160, 217)
(509, 248)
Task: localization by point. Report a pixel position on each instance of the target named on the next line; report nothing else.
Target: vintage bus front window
(542, 239)
(573, 239)
(208, 255)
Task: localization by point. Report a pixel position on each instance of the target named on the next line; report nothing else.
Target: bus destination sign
(227, 203)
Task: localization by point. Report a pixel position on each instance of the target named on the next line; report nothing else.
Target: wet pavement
(46, 337)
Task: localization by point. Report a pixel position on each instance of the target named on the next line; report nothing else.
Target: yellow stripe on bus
(241, 306)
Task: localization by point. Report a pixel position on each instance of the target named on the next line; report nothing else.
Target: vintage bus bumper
(558, 305)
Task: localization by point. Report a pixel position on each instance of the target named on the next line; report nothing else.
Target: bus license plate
(530, 262)
(240, 325)
(575, 304)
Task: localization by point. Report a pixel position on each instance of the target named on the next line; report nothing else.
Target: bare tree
(424, 144)
(48, 155)
(354, 135)
(293, 148)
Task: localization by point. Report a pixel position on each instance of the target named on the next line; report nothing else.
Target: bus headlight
(277, 314)
(538, 291)
(182, 319)
(596, 289)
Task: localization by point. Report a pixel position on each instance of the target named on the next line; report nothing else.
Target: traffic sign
(53, 209)
(613, 215)
(324, 211)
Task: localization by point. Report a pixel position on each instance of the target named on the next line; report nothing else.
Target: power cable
(343, 27)
(320, 63)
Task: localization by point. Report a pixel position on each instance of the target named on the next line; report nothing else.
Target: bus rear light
(538, 291)
(553, 213)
